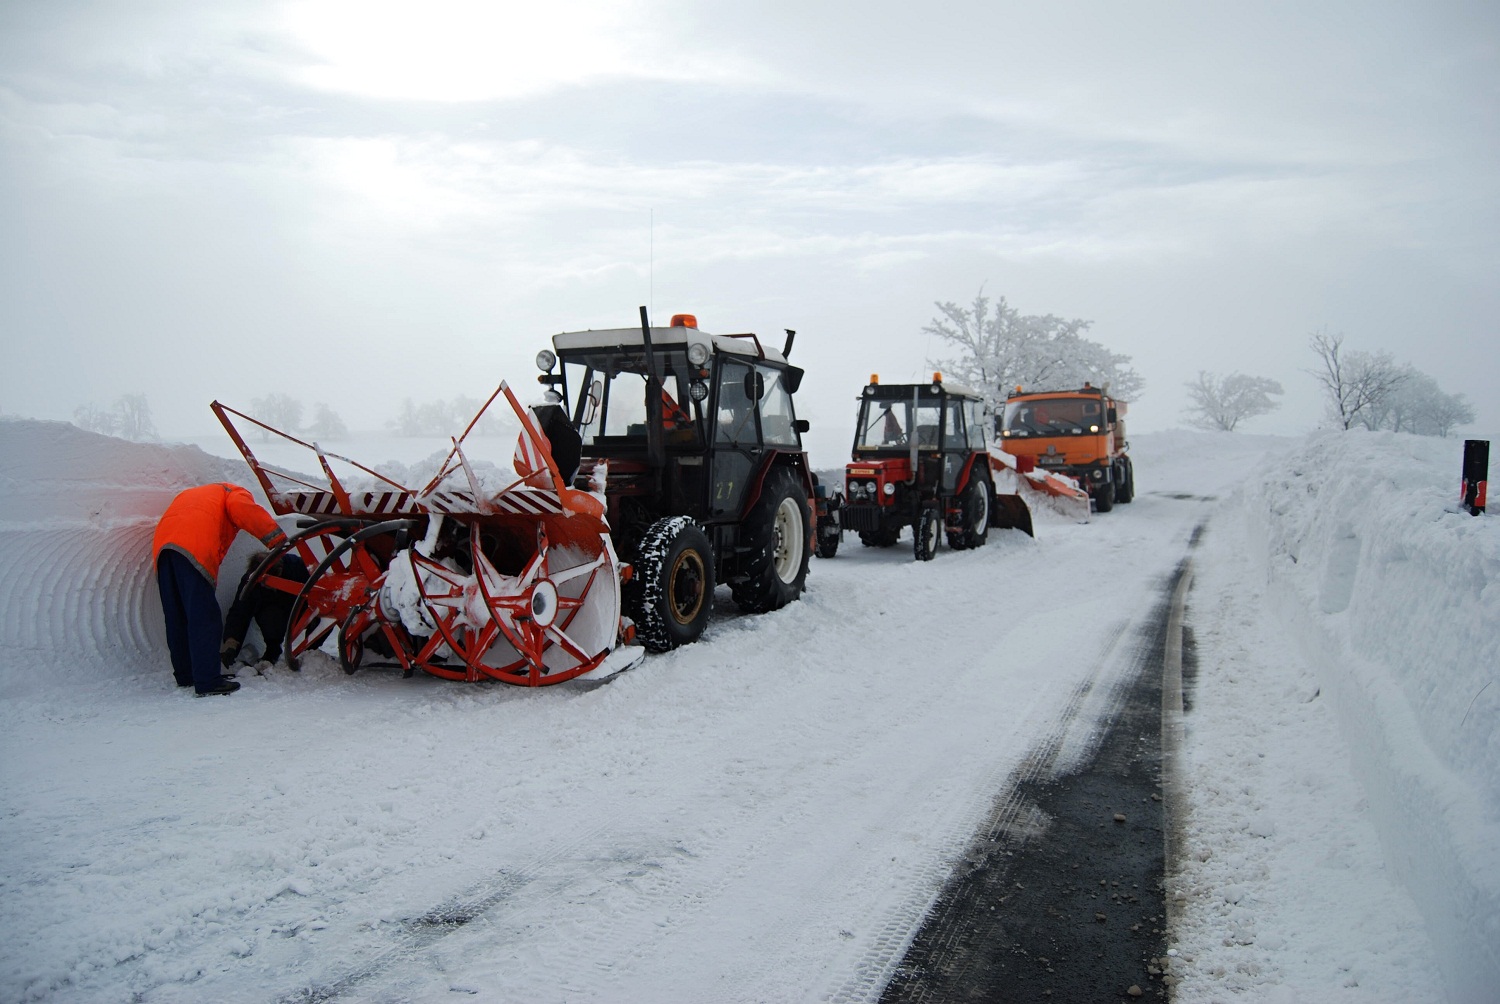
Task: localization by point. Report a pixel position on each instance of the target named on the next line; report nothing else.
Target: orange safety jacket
(202, 522)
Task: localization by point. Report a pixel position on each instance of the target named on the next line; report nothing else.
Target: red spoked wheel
(343, 581)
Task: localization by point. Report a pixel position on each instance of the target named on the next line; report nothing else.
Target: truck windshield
(887, 425)
(1053, 416)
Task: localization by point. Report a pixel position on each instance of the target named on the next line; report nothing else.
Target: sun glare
(460, 50)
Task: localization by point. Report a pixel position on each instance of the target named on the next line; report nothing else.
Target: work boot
(219, 689)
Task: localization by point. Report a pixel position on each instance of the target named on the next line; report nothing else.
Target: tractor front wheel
(673, 585)
(925, 533)
(774, 539)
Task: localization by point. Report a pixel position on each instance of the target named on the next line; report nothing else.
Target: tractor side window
(735, 421)
(776, 412)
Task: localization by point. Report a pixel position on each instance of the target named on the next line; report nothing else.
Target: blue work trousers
(194, 621)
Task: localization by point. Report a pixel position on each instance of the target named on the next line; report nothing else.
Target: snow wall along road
(78, 599)
(1395, 597)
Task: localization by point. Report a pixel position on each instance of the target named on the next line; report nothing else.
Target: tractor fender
(774, 458)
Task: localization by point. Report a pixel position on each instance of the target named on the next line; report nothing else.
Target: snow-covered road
(765, 815)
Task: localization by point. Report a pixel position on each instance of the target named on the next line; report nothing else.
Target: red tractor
(921, 460)
(694, 442)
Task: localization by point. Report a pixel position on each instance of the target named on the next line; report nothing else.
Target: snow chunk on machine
(521, 584)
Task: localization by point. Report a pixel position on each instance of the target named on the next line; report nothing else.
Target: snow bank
(78, 605)
(1393, 596)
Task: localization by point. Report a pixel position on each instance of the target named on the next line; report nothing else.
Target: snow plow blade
(1010, 513)
(1017, 490)
(457, 578)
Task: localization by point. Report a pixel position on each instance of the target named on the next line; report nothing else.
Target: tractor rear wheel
(976, 509)
(774, 545)
(925, 533)
(671, 593)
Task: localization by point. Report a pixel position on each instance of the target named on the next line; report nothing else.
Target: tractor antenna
(651, 262)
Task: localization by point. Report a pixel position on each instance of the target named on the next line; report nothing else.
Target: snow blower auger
(520, 585)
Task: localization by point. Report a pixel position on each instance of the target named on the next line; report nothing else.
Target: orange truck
(1077, 433)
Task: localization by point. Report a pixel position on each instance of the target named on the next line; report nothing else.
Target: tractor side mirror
(591, 406)
(801, 425)
(755, 385)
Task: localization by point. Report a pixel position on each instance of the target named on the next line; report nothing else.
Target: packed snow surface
(768, 814)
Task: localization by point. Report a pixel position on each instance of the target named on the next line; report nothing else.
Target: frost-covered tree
(1419, 405)
(326, 423)
(134, 414)
(1355, 384)
(95, 419)
(280, 410)
(997, 350)
(1224, 402)
(129, 418)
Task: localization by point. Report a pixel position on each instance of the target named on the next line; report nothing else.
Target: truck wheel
(925, 533)
(1126, 491)
(774, 544)
(672, 591)
(1104, 497)
(880, 538)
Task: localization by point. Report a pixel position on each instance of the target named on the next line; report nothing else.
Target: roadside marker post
(1476, 474)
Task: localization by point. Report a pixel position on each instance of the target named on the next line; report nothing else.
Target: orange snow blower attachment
(459, 579)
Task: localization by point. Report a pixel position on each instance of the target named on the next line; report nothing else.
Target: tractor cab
(919, 460)
(675, 422)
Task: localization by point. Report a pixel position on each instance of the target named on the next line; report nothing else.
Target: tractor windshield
(1053, 416)
(889, 424)
(611, 407)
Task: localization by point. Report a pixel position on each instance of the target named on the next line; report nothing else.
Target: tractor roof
(902, 391)
(607, 338)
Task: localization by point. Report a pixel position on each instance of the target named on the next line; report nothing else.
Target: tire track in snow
(976, 941)
(1009, 813)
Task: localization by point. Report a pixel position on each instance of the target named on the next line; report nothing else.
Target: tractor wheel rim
(788, 543)
(982, 517)
(685, 587)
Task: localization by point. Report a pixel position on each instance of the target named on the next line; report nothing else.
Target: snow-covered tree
(279, 410)
(997, 350)
(1355, 384)
(327, 424)
(1224, 402)
(129, 418)
(95, 419)
(1419, 405)
(134, 414)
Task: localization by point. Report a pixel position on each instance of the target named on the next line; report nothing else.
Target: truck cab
(1079, 433)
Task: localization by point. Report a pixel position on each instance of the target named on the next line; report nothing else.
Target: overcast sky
(356, 201)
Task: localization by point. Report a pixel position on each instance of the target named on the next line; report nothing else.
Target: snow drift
(1394, 596)
(79, 605)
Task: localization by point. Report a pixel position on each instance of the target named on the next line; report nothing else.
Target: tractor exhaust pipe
(786, 350)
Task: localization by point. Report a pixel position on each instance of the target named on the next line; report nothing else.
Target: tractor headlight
(697, 353)
(890, 488)
(545, 360)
